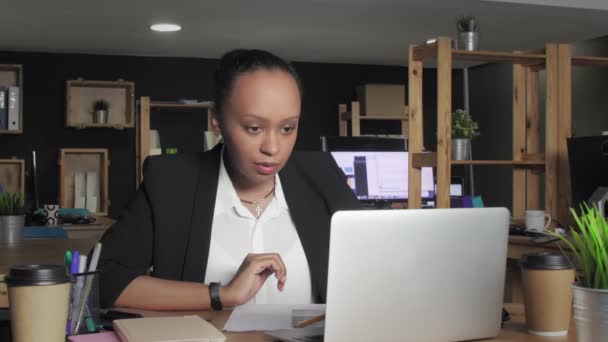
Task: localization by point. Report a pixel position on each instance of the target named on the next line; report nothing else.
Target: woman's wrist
(225, 296)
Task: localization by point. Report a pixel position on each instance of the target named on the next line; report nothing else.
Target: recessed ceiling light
(165, 27)
(431, 40)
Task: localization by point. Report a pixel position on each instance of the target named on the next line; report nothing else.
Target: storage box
(81, 94)
(12, 175)
(386, 100)
(85, 163)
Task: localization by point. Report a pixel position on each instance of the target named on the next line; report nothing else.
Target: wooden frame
(73, 160)
(527, 159)
(355, 118)
(143, 128)
(12, 75)
(12, 175)
(80, 95)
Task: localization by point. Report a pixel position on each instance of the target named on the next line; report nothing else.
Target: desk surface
(52, 251)
(514, 330)
(40, 251)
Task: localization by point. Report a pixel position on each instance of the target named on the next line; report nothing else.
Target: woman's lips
(266, 168)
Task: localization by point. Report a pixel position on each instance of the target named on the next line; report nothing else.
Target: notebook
(97, 337)
(167, 329)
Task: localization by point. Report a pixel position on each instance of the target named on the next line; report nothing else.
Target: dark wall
(169, 79)
(491, 105)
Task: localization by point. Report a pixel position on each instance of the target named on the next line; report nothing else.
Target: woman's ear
(215, 122)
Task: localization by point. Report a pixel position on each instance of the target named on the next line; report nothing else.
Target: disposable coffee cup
(38, 297)
(547, 280)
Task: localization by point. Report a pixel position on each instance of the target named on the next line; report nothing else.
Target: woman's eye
(287, 129)
(253, 129)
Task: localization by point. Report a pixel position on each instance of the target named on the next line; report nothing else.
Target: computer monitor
(588, 159)
(381, 175)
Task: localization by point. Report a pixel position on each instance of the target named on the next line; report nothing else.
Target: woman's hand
(250, 277)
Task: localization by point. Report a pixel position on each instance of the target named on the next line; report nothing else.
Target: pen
(87, 287)
(310, 321)
(74, 264)
(67, 259)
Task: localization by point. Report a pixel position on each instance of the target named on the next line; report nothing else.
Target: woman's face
(259, 124)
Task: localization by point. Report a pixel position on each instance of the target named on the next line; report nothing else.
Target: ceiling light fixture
(165, 27)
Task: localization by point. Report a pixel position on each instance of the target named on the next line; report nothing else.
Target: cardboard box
(382, 99)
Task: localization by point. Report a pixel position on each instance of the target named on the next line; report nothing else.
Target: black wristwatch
(214, 296)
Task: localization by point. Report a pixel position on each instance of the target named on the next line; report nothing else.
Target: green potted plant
(468, 32)
(12, 216)
(101, 108)
(590, 294)
(463, 130)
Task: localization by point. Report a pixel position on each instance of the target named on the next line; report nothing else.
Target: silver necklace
(258, 208)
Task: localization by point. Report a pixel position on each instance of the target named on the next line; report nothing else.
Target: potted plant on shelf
(12, 217)
(100, 111)
(468, 32)
(590, 294)
(463, 130)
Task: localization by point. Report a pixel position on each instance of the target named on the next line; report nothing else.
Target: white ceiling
(345, 31)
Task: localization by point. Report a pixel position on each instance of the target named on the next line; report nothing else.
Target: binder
(164, 329)
(13, 108)
(92, 192)
(3, 109)
(80, 193)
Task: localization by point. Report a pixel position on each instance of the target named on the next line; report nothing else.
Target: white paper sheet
(264, 317)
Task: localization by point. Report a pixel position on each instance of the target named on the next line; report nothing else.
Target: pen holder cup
(83, 314)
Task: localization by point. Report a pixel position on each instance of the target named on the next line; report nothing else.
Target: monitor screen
(377, 175)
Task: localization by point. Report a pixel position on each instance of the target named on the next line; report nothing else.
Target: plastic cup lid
(32, 275)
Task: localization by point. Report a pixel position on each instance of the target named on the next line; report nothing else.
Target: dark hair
(239, 61)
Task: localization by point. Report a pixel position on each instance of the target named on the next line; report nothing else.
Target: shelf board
(176, 105)
(10, 131)
(94, 125)
(348, 116)
(500, 162)
(492, 56)
(424, 52)
(590, 61)
(429, 159)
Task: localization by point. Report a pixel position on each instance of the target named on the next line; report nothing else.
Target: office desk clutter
(50, 302)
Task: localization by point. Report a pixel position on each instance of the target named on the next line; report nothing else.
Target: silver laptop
(416, 275)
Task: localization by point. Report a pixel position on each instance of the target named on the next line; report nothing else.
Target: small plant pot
(100, 117)
(461, 149)
(468, 41)
(11, 228)
(590, 314)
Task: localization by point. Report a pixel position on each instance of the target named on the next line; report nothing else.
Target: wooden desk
(37, 251)
(514, 330)
(520, 245)
(89, 231)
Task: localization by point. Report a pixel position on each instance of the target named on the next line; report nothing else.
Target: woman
(223, 228)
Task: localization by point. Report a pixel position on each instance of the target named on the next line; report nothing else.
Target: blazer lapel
(309, 214)
(195, 260)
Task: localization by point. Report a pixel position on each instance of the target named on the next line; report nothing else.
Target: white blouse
(236, 232)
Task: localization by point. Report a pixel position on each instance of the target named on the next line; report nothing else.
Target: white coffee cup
(537, 220)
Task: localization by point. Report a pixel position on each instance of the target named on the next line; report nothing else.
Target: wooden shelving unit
(80, 95)
(12, 75)
(354, 117)
(12, 175)
(143, 127)
(528, 161)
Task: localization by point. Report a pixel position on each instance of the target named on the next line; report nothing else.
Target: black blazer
(168, 223)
